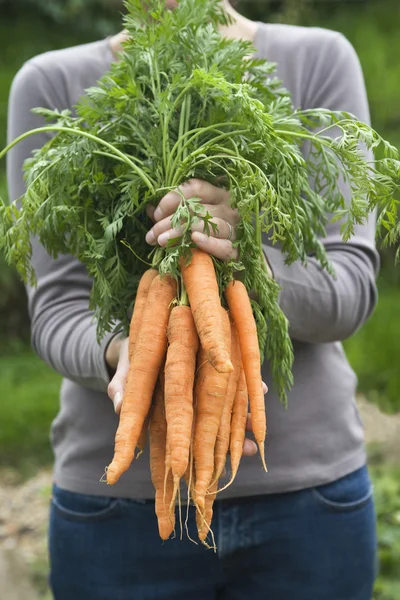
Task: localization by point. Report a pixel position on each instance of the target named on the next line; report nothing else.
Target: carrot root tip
(262, 456)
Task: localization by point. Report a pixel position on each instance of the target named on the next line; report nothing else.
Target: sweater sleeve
(320, 308)
(63, 327)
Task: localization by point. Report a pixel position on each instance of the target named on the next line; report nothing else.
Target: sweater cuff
(105, 371)
(275, 261)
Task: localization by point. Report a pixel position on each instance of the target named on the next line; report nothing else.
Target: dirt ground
(24, 511)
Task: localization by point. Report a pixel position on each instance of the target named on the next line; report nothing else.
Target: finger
(158, 229)
(207, 192)
(222, 249)
(222, 231)
(265, 387)
(222, 217)
(116, 386)
(150, 209)
(249, 448)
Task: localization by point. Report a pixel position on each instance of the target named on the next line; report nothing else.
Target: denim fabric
(315, 544)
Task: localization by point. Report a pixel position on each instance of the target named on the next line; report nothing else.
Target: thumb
(116, 386)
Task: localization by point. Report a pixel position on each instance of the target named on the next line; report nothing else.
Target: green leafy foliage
(185, 102)
(29, 402)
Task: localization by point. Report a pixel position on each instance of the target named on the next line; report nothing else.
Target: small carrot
(238, 423)
(241, 311)
(202, 288)
(210, 392)
(144, 368)
(224, 431)
(204, 521)
(179, 379)
(158, 436)
(140, 302)
(143, 436)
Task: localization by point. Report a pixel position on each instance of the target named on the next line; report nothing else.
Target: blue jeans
(315, 544)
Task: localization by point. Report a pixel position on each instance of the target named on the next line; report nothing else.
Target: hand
(117, 384)
(216, 202)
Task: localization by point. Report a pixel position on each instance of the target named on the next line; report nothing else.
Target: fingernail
(162, 239)
(151, 238)
(117, 402)
(157, 214)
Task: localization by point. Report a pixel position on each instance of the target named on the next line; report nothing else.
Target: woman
(306, 530)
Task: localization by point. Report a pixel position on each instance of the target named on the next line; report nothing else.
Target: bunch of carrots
(193, 370)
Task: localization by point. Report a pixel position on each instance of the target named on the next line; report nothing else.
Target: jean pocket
(345, 494)
(83, 507)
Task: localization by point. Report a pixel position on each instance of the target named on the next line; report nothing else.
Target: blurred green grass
(373, 29)
(373, 352)
(29, 400)
(20, 40)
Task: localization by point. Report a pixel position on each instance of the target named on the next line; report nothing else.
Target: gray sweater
(320, 437)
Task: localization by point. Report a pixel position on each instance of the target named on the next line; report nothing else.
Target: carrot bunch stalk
(191, 371)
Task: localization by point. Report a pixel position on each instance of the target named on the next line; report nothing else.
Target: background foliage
(29, 27)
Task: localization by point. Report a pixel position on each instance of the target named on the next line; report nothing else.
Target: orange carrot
(144, 368)
(179, 380)
(136, 321)
(143, 436)
(241, 311)
(204, 521)
(238, 423)
(158, 436)
(202, 288)
(222, 443)
(210, 391)
(141, 297)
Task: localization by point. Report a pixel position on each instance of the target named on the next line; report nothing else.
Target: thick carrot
(136, 321)
(144, 368)
(141, 297)
(179, 380)
(241, 311)
(224, 431)
(210, 391)
(238, 423)
(202, 288)
(158, 436)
